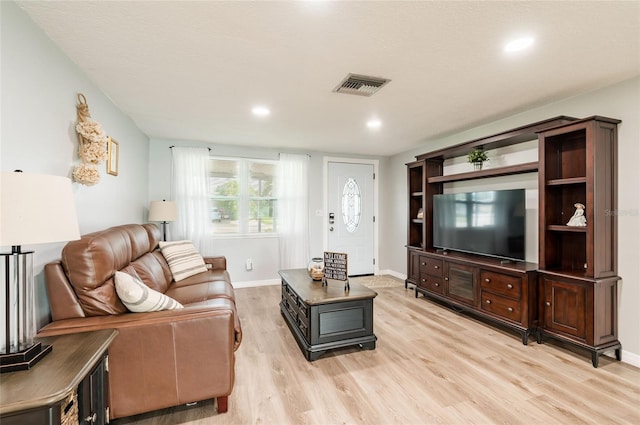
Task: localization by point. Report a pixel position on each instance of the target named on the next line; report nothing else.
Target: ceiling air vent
(362, 85)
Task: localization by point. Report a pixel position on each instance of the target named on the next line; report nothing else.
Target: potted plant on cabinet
(477, 157)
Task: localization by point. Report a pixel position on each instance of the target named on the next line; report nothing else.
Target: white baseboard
(253, 283)
(401, 276)
(630, 358)
(269, 282)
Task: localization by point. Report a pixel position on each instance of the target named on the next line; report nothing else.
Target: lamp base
(25, 359)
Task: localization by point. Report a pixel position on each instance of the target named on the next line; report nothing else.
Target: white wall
(262, 250)
(620, 101)
(39, 87)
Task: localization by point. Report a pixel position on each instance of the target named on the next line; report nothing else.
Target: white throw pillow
(183, 259)
(139, 298)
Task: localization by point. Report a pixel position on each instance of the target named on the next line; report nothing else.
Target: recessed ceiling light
(518, 44)
(260, 111)
(374, 123)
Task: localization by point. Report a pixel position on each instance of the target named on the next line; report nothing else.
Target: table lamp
(164, 211)
(34, 209)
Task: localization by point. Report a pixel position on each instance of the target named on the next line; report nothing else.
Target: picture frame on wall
(113, 153)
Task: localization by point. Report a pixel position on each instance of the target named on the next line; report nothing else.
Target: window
(242, 196)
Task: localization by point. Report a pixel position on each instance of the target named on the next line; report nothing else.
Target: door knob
(331, 229)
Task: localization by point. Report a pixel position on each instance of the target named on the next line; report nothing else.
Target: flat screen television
(489, 223)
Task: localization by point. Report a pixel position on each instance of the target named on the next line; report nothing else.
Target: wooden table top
(313, 293)
(58, 374)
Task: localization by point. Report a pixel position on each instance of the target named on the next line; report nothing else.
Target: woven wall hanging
(92, 148)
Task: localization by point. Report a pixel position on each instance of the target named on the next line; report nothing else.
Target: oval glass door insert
(351, 205)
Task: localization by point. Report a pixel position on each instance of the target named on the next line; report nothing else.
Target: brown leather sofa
(159, 359)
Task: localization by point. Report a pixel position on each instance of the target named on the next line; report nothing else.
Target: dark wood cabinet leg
(594, 358)
(223, 404)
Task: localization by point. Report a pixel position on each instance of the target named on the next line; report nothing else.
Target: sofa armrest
(219, 262)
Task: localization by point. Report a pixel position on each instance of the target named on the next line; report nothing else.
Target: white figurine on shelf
(578, 219)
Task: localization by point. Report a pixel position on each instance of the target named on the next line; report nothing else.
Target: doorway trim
(325, 201)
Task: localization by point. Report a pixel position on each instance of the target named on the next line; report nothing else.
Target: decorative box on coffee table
(323, 318)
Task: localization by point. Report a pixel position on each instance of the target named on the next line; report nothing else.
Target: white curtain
(293, 210)
(190, 187)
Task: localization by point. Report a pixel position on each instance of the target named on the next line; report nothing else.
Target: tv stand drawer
(502, 306)
(502, 284)
(431, 266)
(431, 283)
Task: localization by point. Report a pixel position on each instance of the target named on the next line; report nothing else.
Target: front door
(350, 206)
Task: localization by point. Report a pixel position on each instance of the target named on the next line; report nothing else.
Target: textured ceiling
(193, 70)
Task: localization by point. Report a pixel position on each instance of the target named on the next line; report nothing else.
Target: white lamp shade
(36, 209)
(163, 211)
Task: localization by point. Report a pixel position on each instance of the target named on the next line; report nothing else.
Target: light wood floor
(431, 366)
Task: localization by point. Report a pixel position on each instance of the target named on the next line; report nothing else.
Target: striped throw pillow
(139, 298)
(183, 259)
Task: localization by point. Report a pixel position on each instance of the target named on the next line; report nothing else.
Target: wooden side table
(69, 386)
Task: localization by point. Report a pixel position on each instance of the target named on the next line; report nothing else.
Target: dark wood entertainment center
(571, 294)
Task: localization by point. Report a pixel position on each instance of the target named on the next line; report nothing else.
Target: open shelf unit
(578, 165)
(415, 183)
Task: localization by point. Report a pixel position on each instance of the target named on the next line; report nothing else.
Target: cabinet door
(460, 283)
(92, 396)
(564, 307)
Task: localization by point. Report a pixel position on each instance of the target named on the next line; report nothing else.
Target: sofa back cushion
(90, 264)
(153, 270)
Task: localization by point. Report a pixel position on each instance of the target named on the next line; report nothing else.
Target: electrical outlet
(249, 265)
